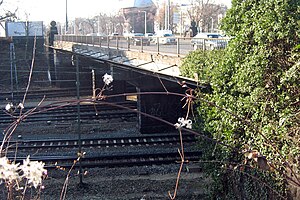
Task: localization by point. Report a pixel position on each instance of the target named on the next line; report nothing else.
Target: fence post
(128, 44)
(142, 47)
(117, 42)
(157, 41)
(78, 119)
(178, 47)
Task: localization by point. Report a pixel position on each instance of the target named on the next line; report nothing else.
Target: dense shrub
(256, 80)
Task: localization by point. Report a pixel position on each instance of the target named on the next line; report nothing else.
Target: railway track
(69, 113)
(143, 140)
(49, 93)
(120, 160)
(114, 159)
(61, 149)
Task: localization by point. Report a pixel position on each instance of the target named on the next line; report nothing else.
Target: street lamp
(145, 21)
(67, 25)
(212, 24)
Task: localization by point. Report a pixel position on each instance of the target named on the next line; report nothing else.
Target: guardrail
(161, 45)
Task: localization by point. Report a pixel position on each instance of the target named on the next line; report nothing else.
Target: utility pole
(166, 16)
(212, 24)
(67, 24)
(145, 12)
(99, 24)
(169, 9)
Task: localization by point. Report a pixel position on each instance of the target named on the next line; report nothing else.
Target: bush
(256, 81)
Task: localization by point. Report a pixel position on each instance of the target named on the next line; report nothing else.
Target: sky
(48, 10)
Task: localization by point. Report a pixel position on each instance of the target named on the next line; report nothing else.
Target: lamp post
(212, 24)
(99, 24)
(67, 25)
(145, 12)
(220, 16)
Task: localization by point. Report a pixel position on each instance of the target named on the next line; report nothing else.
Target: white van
(209, 41)
(164, 37)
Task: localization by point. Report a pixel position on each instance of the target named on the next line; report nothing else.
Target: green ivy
(257, 78)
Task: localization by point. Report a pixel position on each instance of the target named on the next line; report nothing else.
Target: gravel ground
(139, 183)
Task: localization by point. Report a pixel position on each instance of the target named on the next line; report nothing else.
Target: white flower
(33, 171)
(189, 124)
(8, 171)
(9, 107)
(183, 123)
(107, 79)
(21, 106)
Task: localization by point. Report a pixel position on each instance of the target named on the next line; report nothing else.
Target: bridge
(157, 54)
(151, 69)
(161, 58)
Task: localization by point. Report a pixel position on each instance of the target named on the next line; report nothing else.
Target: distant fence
(161, 45)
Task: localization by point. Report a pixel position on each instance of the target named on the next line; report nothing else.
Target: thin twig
(31, 70)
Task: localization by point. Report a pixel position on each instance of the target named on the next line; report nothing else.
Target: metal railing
(179, 46)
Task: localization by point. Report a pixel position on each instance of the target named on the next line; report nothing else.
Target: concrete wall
(161, 62)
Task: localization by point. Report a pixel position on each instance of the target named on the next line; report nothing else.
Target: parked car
(166, 38)
(209, 41)
(113, 36)
(102, 35)
(149, 34)
(139, 38)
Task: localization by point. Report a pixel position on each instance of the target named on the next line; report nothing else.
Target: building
(137, 14)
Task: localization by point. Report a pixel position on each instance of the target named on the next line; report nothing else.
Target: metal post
(78, 120)
(99, 24)
(178, 47)
(157, 39)
(11, 72)
(181, 23)
(67, 25)
(107, 38)
(212, 24)
(117, 42)
(128, 44)
(142, 47)
(15, 67)
(168, 15)
(139, 107)
(108, 47)
(145, 21)
(94, 84)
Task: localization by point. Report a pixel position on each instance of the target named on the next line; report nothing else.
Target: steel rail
(72, 116)
(115, 160)
(144, 140)
(58, 109)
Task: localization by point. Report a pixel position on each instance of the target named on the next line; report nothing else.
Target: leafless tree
(161, 17)
(206, 14)
(6, 14)
(101, 23)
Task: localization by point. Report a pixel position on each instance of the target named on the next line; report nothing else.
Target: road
(183, 48)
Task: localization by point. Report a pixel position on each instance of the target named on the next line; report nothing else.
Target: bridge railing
(179, 46)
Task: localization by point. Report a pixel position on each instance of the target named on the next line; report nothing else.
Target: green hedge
(257, 79)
